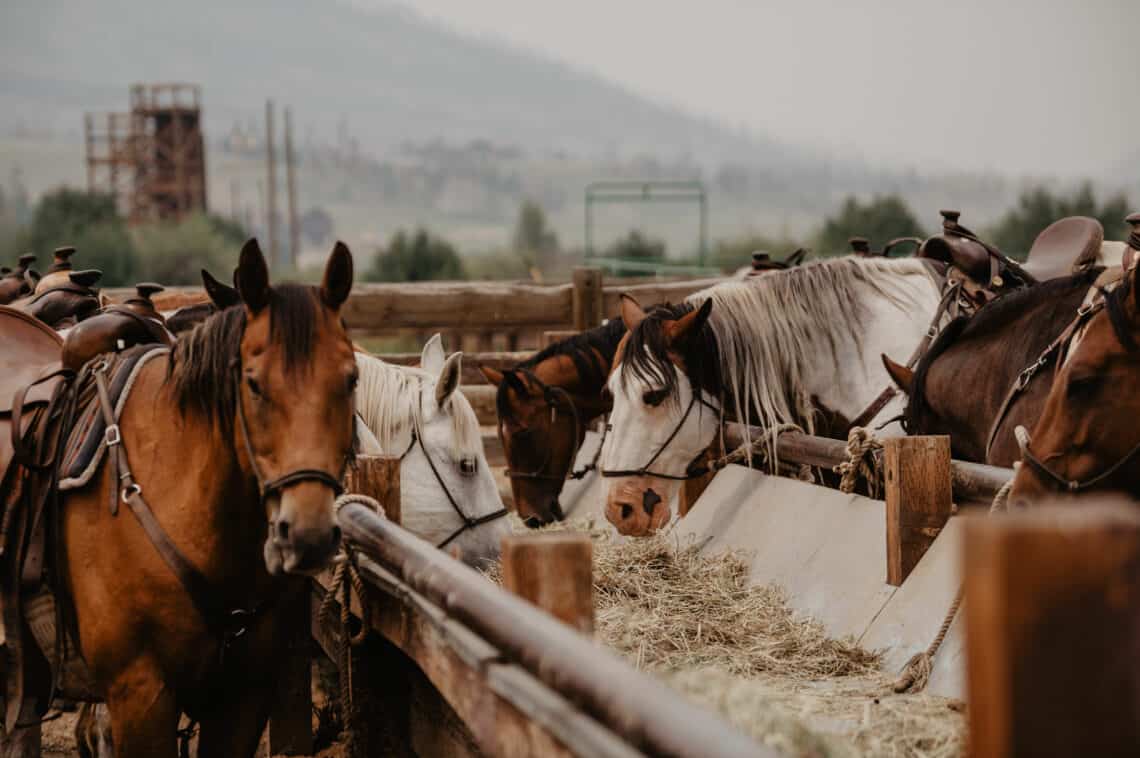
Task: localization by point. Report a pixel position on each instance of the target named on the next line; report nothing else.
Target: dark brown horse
(545, 405)
(1088, 437)
(243, 428)
(187, 317)
(959, 387)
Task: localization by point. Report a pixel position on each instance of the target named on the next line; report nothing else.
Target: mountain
(390, 73)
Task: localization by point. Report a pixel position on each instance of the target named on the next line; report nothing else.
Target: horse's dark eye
(467, 467)
(254, 387)
(655, 397)
(1080, 386)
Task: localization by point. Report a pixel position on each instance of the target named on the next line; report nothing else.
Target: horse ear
(432, 356)
(631, 312)
(221, 295)
(900, 375)
(338, 277)
(448, 378)
(252, 277)
(494, 376)
(690, 323)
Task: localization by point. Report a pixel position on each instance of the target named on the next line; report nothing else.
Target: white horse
(791, 347)
(448, 494)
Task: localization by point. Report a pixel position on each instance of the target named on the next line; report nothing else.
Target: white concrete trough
(828, 551)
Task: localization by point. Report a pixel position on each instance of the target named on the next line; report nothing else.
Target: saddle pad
(84, 449)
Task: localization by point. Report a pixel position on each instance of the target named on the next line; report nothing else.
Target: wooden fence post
(555, 572)
(551, 336)
(919, 499)
(1052, 623)
(588, 298)
(377, 476)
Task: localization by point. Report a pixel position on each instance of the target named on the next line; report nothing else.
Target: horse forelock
(388, 399)
(649, 356)
(768, 331)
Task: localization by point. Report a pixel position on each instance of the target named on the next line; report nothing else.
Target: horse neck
(193, 478)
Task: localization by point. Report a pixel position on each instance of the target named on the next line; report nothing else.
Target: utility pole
(291, 189)
(271, 187)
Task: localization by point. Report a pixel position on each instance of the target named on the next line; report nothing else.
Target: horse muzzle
(303, 534)
(638, 506)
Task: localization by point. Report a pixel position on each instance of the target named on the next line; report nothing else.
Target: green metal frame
(649, 191)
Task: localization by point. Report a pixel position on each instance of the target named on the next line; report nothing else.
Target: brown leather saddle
(1065, 247)
(762, 262)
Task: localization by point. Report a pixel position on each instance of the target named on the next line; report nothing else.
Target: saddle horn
(62, 259)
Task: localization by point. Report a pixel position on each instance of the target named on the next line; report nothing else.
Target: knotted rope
(346, 579)
(761, 447)
(862, 462)
(916, 673)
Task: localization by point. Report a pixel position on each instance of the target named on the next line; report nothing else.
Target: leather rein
(226, 623)
(691, 471)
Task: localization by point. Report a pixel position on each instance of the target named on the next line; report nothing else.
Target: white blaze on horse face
(639, 504)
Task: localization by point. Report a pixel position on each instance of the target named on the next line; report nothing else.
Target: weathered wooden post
(588, 298)
(555, 572)
(919, 499)
(377, 476)
(1052, 624)
(551, 336)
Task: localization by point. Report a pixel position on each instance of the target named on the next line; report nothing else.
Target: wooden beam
(377, 476)
(587, 301)
(457, 305)
(919, 499)
(482, 399)
(550, 336)
(554, 571)
(469, 374)
(1052, 624)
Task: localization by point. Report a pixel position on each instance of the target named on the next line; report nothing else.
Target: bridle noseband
(468, 522)
(691, 472)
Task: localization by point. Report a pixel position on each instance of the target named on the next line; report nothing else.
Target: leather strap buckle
(132, 489)
(112, 436)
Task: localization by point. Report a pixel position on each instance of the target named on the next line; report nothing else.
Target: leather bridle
(551, 395)
(691, 472)
(468, 521)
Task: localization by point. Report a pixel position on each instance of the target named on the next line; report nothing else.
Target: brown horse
(545, 405)
(1087, 437)
(246, 424)
(960, 385)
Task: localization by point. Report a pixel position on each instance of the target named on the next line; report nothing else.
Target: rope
(861, 463)
(916, 673)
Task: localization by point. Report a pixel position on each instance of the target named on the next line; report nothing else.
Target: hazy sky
(1014, 86)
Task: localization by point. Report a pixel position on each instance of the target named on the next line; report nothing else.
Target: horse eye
(254, 387)
(1081, 385)
(467, 466)
(655, 397)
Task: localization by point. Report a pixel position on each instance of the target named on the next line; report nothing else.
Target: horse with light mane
(236, 439)
(1087, 437)
(795, 347)
(448, 493)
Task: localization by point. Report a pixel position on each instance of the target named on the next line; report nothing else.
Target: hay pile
(695, 621)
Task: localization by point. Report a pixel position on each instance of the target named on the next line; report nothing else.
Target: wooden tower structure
(152, 158)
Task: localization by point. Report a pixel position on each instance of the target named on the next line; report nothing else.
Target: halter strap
(692, 472)
(549, 392)
(1069, 485)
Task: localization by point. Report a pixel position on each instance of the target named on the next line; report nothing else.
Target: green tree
(533, 239)
(637, 245)
(1038, 207)
(418, 257)
(91, 223)
(175, 252)
(880, 220)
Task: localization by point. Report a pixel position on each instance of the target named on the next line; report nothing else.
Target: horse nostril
(283, 530)
(533, 522)
(649, 501)
(626, 510)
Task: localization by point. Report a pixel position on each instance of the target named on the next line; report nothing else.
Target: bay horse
(545, 405)
(448, 493)
(961, 385)
(793, 347)
(1087, 437)
(243, 428)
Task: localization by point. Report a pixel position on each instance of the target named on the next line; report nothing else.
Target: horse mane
(203, 367)
(988, 319)
(762, 333)
(1114, 302)
(388, 401)
(587, 350)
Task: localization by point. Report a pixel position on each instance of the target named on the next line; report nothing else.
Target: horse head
(663, 416)
(1086, 438)
(295, 378)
